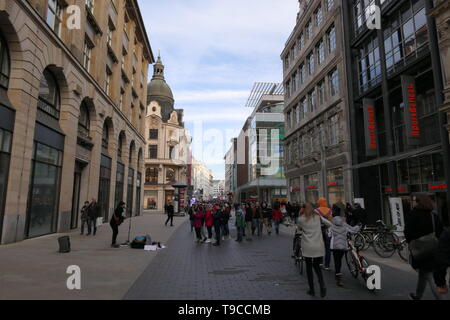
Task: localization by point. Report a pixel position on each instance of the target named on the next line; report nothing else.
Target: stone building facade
(72, 112)
(168, 145)
(317, 143)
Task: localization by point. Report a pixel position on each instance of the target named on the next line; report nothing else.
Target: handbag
(424, 247)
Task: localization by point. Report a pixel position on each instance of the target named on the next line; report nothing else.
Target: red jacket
(209, 222)
(277, 215)
(198, 220)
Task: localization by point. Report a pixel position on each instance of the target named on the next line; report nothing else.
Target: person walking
(277, 217)
(84, 216)
(191, 214)
(217, 221)
(295, 212)
(313, 247)
(93, 214)
(248, 222)
(443, 261)
(198, 222)
(267, 216)
(240, 221)
(325, 212)
(225, 218)
(170, 213)
(116, 220)
(257, 217)
(209, 222)
(339, 242)
(422, 231)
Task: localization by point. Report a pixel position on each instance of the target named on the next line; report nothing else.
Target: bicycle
(356, 263)
(297, 251)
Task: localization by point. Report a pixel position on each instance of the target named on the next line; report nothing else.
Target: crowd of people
(325, 231)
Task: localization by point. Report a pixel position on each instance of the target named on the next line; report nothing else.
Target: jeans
(248, 230)
(240, 233)
(209, 232)
(84, 222)
(337, 256)
(217, 233)
(426, 277)
(225, 230)
(115, 230)
(198, 233)
(268, 225)
(277, 226)
(92, 224)
(314, 263)
(169, 218)
(257, 226)
(327, 242)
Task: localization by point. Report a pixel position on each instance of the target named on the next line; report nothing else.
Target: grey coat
(339, 231)
(312, 240)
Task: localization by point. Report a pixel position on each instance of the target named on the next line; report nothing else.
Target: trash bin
(64, 244)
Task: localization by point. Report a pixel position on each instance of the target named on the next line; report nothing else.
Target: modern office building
(202, 180)
(72, 101)
(400, 141)
(168, 145)
(259, 153)
(317, 143)
(218, 187)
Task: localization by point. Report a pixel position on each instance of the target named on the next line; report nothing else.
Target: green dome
(158, 87)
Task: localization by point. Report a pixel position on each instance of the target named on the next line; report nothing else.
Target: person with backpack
(116, 220)
(93, 213)
(325, 212)
(84, 216)
(312, 245)
(240, 221)
(339, 242)
(422, 231)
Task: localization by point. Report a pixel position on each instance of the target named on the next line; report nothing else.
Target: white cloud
(211, 95)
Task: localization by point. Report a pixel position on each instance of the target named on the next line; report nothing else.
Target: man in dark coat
(93, 213)
(170, 213)
(443, 261)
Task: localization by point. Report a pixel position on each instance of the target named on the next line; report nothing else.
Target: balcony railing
(49, 109)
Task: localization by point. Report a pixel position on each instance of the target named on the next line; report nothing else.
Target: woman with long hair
(422, 224)
(313, 246)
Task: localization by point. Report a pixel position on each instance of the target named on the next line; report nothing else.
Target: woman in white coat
(313, 247)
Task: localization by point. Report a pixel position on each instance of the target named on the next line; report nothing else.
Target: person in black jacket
(191, 217)
(443, 260)
(116, 220)
(225, 218)
(217, 220)
(267, 215)
(248, 222)
(170, 214)
(419, 224)
(93, 213)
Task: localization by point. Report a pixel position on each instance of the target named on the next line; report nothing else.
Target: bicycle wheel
(359, 241)
(352, 264)
(403, 251)
(384, 245)
(368, 240)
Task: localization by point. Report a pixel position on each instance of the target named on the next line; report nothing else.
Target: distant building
(218, 189)
(168, 143)
(255, 162)
(202, 180)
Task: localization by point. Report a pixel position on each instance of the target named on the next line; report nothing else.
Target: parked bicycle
(297, 251)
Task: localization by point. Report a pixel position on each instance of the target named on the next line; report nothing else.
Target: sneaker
(326, 268)
(311, 293)
(442, 290)
(412, 296)
(223, 238)
(208, 241)
(323, 292)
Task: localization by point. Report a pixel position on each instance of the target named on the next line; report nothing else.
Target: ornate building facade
(168, 143)
(71, 112)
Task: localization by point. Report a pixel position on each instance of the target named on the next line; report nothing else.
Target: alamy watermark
(74, 280)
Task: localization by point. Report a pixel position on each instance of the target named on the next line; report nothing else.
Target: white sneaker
(208, 241)
(223, 238)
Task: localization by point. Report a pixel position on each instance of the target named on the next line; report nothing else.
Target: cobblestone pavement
(258, 270)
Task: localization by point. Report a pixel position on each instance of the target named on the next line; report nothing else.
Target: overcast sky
(214, 51)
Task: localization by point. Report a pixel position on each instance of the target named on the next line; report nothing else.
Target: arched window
(4, 64)
(105, 138)
(170, 175)
(49, 99)
(84, 122)
(151, 175)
